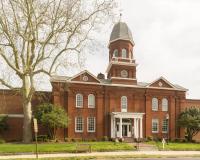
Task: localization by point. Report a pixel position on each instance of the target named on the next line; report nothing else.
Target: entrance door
(124, 130)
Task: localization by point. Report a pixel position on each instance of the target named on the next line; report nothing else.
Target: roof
(121, 31)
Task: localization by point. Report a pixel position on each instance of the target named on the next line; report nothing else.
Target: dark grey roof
(105, 81)
(121, 31)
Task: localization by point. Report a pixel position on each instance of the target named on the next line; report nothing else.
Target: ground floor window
(79, 124)
(91, 124)
(164, 125)
(155, 125)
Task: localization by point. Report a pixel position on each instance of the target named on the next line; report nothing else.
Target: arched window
(154, 104)
(130, 55)
(79, 100)
(164, 104)
(91, 101)
(124, 104)
(124, 53)
(115, 53)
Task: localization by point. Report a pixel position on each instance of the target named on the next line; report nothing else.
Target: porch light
(167, 116)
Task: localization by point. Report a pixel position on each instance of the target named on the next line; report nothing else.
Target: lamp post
(167, 117)
(114, 115)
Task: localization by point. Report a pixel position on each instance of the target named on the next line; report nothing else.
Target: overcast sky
(167, 42)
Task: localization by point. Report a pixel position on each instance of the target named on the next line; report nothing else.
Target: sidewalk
(105, 154)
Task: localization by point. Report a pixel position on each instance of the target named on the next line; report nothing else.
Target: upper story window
(124, 53)
(91, 101)
(164, 104)
(154, 104)
(130, 55)
(79, 100)
(115, 53)
(124, 104)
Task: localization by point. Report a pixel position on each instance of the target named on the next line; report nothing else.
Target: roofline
(122, 85)
(133, 43)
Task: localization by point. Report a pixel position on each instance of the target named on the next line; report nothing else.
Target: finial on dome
(120, 19)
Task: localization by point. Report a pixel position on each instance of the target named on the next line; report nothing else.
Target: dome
(121, 31)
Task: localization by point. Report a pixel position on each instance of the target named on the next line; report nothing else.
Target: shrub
(90, 140)
(13, 140)
(159, 139)
(94, 139)
(150, 138)
(39, 139)
(113, 140)
(141, 140)
(51, 140)
(80, 140)
(169, 139)
(176, 139)
(83, 139)
(33, 139)
(58, 140)
(2, 141)
(147, 140)
(105, 138)
(67, 139)
(194, 140)
(184, 140)
(42, 136)
(99, 140)
(73, 139)
(20, 140)
(46, 140)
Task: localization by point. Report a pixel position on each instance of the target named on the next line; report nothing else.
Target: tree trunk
(27, 132)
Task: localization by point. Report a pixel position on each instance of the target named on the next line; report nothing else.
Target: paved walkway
(105, 153)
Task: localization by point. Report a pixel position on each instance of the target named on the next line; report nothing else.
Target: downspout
(65, 105)
(175, 114)
(104, 110)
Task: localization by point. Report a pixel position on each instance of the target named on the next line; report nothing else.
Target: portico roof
(127, 114)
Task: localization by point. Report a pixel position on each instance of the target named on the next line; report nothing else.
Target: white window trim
(157, 127)
(88, 124)
(124, 109)
(153, 106)
(163, 106)
(82, 100)
(162, 126)
(114, 53)
(89, 101)
(82, 125)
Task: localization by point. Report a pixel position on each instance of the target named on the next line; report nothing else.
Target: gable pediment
(161, 83)
(85, 76)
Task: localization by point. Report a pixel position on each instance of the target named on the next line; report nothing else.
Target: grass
(178, 146)
(63, 147)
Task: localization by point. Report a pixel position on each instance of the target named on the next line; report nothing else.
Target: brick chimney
(101, 76)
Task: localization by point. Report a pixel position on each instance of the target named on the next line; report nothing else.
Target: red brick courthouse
(94, 102)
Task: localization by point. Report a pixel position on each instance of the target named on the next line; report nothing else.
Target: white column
(134, 127)
(112, 134)
(141, 128)
(120, 128)
(137, 128)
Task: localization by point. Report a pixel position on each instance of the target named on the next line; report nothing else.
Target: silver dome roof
(121, 31)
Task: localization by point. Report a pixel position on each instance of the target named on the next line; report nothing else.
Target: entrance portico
(124, 126)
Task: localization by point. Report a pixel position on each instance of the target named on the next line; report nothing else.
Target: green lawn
(63, 147)
(177, 145)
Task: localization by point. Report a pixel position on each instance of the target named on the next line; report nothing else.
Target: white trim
(15, 115)
(82, 100)
(163, 80)
(121, 39)
(88, 123)
(124, 109)
(124, 78)
(89, 101)
(82, 124)
(120, 63)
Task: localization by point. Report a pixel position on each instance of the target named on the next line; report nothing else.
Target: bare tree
(37, 37)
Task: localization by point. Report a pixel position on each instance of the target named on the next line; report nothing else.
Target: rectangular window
(164, 125)
(154, 125)
(79, 124)
(91, 124)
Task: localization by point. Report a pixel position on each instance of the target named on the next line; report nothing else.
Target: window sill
(155, 132)
(164, 132)
(91, 131)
